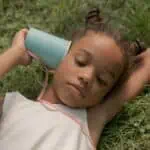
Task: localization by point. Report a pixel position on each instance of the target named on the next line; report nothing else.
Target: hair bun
(140, 46)
(137, 47)
(93, 18)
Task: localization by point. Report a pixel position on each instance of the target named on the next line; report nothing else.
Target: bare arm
(8, 60)
(14, 55)
(103, 113)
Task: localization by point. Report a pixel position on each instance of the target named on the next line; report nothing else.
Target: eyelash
(101, 81)
(81, 63)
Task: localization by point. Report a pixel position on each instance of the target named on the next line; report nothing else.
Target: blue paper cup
(49, 48)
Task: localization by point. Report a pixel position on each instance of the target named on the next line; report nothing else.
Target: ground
(130, 130)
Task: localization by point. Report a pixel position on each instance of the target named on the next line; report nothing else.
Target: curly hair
(95, 22)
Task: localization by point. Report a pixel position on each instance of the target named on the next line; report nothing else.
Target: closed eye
(81, 60)
(102, 81)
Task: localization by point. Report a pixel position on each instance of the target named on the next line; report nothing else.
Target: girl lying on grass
(90, 86)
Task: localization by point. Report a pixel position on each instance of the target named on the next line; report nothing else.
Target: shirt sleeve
(12, 100)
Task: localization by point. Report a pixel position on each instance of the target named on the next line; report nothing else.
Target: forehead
(103, 49)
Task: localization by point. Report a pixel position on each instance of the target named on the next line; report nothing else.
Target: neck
(51, 96)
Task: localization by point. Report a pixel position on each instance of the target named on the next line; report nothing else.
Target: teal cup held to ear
(49, 48)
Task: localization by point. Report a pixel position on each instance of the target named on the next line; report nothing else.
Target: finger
(24, 32)
(32, 55)
(28, 60)
(148, 49)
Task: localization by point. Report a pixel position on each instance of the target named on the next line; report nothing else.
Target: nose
(85, 76)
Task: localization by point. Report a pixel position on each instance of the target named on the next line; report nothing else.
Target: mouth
(78, 89)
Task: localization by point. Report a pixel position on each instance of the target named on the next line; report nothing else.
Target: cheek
(99, 89)
(63, 68)
(66, 65)
(98, 92)
(63, 73)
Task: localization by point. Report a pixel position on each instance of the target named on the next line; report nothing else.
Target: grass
(130, 130)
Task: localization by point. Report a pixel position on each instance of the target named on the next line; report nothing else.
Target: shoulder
(14, 101)
(1, 104)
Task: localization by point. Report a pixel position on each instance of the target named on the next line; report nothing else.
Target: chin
(76, 103)
(70, 103)
(72, 100)
(73, 103)
(68, 99)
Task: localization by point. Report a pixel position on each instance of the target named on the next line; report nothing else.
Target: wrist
(147, 70)
(17, 49)
(17, 53)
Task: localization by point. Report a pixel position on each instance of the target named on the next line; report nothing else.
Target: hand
(18, 44)
(145, 56)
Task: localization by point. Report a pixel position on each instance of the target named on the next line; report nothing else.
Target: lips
(79, 88)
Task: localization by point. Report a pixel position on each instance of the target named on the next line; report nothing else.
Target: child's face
(89, 71)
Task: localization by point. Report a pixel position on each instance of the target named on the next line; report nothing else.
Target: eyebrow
(111, 73)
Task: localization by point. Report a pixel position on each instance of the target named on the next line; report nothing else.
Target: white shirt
(30, 125)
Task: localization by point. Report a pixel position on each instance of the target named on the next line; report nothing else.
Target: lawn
(130, 130)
